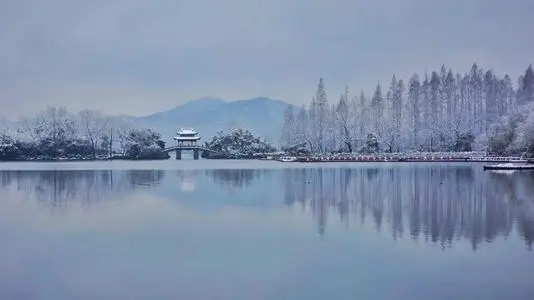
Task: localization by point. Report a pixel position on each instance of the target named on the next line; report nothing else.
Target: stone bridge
(196, 150)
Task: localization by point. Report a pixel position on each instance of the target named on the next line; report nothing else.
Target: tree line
(439, 111)
(55, 133)
(237, 143)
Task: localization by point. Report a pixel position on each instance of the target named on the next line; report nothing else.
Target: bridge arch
(195, 148)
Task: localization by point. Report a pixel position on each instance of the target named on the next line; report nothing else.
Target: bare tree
(93, 126)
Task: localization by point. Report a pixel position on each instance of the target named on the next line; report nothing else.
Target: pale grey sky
(136, 57)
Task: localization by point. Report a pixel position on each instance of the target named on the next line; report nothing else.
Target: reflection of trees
(436, 203)
(235, 178)
(58, 189)
(186, 179)
(149, 178)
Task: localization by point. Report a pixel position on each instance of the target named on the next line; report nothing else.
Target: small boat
(510, 166)
(287, 159)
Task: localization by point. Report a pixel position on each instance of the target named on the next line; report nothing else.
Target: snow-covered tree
(524, 137)
(506, 96)
(377, 111)
(427, 126)
(320, 116)
(502, 136)
(288, 128)
(142, 143)
(490, 96)
(389, 133)
(435, 112)
(56, 133)
(415, 122)
(302, 128)
(476, 98)
(361, 119)
(526, 87)
(94, 128)
(332, 136)
(449, 95)
(344, 114)
(443, 111)
(8, 147)
(54, 124)
(397, 92)
(238, 142)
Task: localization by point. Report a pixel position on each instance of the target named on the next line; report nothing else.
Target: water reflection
(438, 204)
(235, 178)
(55, 189)
(187, 180)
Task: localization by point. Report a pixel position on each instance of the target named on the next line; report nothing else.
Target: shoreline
(312, 159)
(77, 160)
(308, 160)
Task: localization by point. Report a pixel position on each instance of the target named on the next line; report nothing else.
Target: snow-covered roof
(186, 131)
(187, 138)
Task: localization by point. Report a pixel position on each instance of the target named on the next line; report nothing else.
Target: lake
(264, 230)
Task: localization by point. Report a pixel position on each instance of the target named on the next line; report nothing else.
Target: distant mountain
(263, 116)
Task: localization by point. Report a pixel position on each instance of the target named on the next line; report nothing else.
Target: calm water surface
(264, 230)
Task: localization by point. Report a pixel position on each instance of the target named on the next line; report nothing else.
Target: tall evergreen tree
(508, 95)
(343, 116)
(398, 104)
(449, 95)
(427, 127)
(313, 125)
(321, 110)
(476, 98)
(490, 95)
(288, 129)
(302, 128)
(363, 114)
(443, 111)
(414, 96)
(435, 87)
(392, 132)
(526, 89)
(377, 110)
(443, 99)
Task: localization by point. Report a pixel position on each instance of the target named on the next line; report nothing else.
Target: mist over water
(414, 231)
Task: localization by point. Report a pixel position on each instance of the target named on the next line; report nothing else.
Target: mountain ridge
(262, 115)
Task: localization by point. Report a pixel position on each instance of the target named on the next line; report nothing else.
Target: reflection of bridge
(195, 148)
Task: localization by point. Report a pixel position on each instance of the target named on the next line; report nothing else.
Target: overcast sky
(136, 56)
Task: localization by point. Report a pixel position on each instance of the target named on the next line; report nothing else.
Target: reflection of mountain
(208, 116)
(57, 188)
(436, 203)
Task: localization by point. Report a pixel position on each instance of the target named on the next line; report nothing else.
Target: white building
(187, 137)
